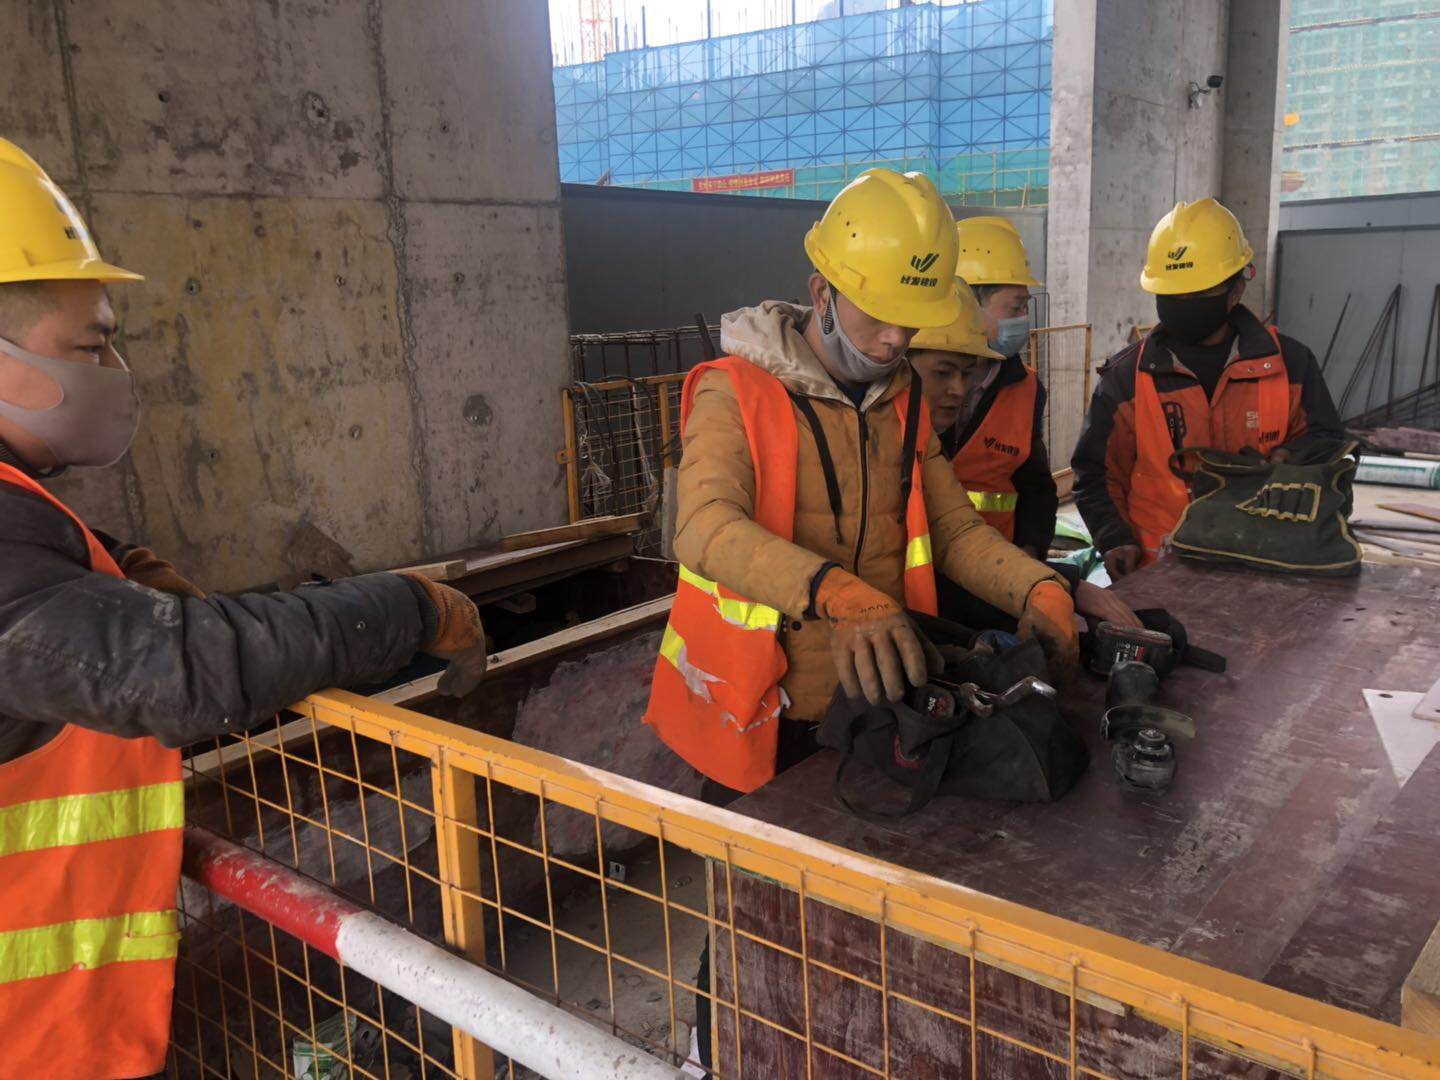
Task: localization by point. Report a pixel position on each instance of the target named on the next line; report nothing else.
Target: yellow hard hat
(992, 253)
(965, 335)
(887, 242)
(1194, 247)
(42, 237)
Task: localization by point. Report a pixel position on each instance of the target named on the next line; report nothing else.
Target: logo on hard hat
(1177, 254)
(924, 262)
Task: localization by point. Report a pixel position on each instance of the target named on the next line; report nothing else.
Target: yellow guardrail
(383, 768)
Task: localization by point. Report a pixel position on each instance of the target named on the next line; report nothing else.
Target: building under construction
(449, 531)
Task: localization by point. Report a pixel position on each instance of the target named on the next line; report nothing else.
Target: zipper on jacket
(864, 490)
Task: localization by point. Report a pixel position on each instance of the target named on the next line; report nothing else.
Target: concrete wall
(1254, 101)
(353, 331)
(646, 260)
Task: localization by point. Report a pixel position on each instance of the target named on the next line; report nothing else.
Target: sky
(667, 21)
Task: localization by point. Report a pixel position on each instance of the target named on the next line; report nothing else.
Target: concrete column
(352, 335)
(1254, 97)
(1125, 145)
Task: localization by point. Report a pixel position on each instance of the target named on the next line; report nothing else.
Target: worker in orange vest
(814, 503)
(110, 660)
(988, 410)
(1209, 375)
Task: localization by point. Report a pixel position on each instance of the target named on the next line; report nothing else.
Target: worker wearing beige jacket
(797, 568)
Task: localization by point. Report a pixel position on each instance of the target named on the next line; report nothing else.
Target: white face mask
(95, 419)
(1011, 335)
(846, 361)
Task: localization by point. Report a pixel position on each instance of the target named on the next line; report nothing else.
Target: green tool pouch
(1285, 518)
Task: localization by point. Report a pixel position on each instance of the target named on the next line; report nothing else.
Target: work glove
(1122, 560)
(1049, 617)
(875, 646)
(144, 567)
(454, 633)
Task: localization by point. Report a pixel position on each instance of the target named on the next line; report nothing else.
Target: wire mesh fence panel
(638, 354)
(358, 816)
(680, 928)
(1061, 358)
(624, 433)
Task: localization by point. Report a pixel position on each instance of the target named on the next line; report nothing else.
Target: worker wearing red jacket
(1209, 375)
(110, 660)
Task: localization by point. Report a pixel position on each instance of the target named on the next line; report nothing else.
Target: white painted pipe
(542, 1036)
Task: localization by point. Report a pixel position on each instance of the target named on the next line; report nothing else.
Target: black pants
(796, 743)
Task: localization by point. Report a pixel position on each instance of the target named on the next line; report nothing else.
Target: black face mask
(1191, 319)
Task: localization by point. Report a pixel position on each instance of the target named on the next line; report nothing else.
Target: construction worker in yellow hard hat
(110, 660)
(1209, 375)
(988, 410)
(993, 262)
(806, 524)
(814, 505)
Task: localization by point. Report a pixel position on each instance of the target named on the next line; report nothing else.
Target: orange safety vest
(986, 464)
(715, 698)
(90, 836)
(1157, 496)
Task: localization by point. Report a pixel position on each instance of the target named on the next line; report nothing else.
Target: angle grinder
(1142, 733)
(1161, 642)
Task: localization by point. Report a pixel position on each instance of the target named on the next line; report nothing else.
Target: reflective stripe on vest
(999, 445)
(994, 502)
(716, 697)
(1158, 497)
(87, 819)
(86, 944)
(90, 836)
(736, 612)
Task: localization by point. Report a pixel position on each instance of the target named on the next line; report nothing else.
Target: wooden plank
(1420, 994)
(1420, 510)
(1387, 525)
(587, 633)
(588, 529)
(1403, 439)
(435, 571)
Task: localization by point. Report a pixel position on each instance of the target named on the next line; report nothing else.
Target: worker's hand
(458, 636)
(1122, 560)
(875, 647)
(144, 567)
(1049, 617)
(1279, 455)
(1095, 602)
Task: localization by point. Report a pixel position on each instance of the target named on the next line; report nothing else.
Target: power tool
(1161, 642)
(1142, 733)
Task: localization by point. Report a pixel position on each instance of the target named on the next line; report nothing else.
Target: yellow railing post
(572, 458)
(666, 455)
(458, 851)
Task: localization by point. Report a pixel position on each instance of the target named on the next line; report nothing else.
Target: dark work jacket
(1036, 498)
(82, 647)
(1105, 455)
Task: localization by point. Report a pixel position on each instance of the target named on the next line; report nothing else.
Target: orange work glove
(1049, 616)
(872, 641)
(458, 636)
(144, 567)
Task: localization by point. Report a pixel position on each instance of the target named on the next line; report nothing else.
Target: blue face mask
(1011, 335)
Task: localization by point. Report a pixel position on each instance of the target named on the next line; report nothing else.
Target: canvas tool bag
(1290, 517)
